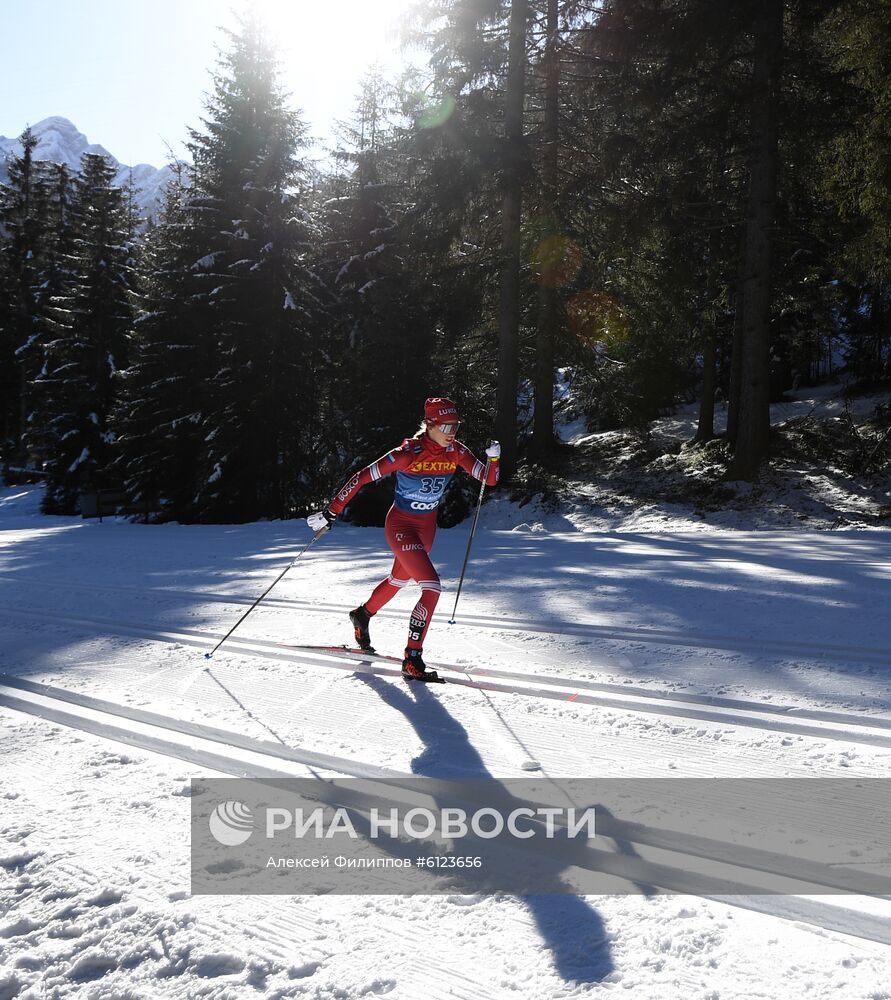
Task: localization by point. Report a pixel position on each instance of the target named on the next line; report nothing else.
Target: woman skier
(423, 464)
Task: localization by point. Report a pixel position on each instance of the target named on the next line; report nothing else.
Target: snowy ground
(614, 480)
(691, 650)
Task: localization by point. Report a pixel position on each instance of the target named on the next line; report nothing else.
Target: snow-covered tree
(259, 400)
(384, 336)
(161, 394)
(22, 255)
(84, 342)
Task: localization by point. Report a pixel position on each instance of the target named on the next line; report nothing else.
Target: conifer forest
(650, 201)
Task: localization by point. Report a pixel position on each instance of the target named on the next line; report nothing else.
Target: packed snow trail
(704, 653)
(734, 711)
(102, 718)
(491, 623)
(94, 715)
(92, 722)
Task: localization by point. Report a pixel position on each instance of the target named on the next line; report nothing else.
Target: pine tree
(53, 275)
(162, 396)
(21, 254)
(385, 331)
(467, 164)
(548, 276)
(260, 418)
(85, 340)
(855, 178)
(513, 174)
(751, 440)
(651, 169)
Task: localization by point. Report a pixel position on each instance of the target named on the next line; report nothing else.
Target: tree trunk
(512, 187)
(706, 429)
(752, 438)
(736, 358)
(543, 426)
(878, 331)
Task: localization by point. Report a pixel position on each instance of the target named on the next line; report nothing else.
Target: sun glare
(344, 38)
(325, 50)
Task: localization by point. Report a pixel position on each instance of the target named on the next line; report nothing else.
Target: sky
(133, 76)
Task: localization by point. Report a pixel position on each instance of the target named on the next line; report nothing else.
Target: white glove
(321, 521)
(494, 451)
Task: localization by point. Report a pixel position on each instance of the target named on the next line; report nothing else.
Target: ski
(362, 654)
(431, 678)
(343, 649)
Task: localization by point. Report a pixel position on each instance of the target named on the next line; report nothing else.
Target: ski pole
(470, 540)
(317, 535)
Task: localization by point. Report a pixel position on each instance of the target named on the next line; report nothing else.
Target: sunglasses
(449, 428)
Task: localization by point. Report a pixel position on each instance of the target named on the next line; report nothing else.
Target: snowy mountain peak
(60, 125)
(60, 141)
(63, 126)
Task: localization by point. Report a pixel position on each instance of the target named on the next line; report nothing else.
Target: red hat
(439, 410)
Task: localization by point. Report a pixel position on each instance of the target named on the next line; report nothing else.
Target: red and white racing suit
(423, 470)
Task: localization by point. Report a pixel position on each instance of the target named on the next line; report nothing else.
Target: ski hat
(439, 410)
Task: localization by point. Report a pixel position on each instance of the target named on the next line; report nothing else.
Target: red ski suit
(423, 470)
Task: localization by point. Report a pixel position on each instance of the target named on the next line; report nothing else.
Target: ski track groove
(715, 701)
(863, 925)
(653, 703)
(616, 631)
(637, 633)
(197, 730)
(231, 741)
(563, 746)
(576, 682)
(286, 929)
(280, 927)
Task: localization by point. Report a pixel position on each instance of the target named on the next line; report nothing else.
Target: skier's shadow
(572, 930)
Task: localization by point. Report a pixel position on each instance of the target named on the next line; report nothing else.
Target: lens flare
(434, 111)
(556, 260)
(596, 318)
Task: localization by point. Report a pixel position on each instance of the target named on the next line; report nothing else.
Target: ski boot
(413, 668)
(360, 619)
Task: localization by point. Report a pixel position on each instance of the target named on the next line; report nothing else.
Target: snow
(620, 481)
(345, 269)
(205, 261)
(59, 141)
(81, 458)
(692, 649)
(27, 344)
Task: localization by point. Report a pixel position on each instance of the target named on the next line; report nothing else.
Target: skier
(423, 464)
